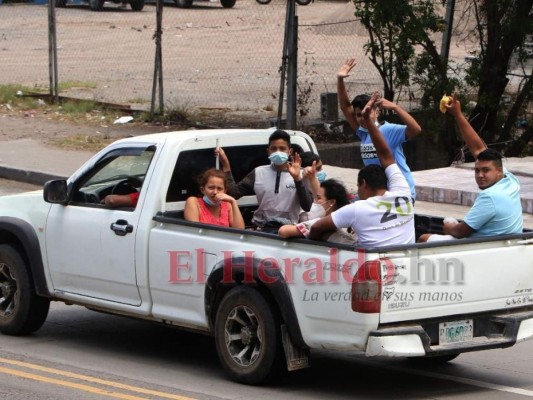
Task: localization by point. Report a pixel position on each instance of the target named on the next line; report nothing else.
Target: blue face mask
(321, 176)
(208, 201)
(366, 130)
(278, 158)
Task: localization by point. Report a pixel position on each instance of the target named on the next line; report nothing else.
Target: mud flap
(297, 358)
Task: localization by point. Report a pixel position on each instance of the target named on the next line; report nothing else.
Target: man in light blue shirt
(394, 134)
(497, 209)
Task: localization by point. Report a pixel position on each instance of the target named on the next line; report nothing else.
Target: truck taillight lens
(366, 288)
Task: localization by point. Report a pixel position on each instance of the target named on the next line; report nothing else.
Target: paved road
(12, 187)
(87, 355)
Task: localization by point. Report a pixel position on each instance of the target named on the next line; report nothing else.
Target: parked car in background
(188, 3)
(98, 5)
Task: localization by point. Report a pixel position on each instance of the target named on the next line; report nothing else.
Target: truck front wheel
(21, 310)
(247, 336)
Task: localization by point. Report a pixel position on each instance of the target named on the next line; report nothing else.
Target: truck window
(192, 163)
(121, 172)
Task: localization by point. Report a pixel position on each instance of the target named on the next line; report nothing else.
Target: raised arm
(413, 128)
(305, 197)
(344, 102)
(474, 143)
(383, 150)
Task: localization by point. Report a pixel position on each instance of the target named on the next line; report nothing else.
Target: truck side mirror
(55, 191)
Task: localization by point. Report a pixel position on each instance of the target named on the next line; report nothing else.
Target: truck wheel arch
(216, 289)
(21, 235)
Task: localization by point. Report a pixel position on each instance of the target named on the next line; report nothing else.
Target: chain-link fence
(214, 58)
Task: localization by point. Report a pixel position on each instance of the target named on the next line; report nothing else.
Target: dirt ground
(237, 69)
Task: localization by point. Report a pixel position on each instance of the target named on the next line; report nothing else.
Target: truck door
(91, 246)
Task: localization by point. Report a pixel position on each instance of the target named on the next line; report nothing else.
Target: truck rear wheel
(228, 3)
(61, 3)
(21, 310)
(247, 336)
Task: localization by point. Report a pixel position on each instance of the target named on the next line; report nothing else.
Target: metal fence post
(158, 65)
(292, 74)
(52, 52)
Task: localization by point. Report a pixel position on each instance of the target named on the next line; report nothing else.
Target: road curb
(27, 176)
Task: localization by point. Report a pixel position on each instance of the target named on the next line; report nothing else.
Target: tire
(228, 3)
(137, 5)
(61, 3)
(247, 336)
(303, 2)
(434, 360)
(96, 5)
(184, 3)
(263, 1)
(21, 310)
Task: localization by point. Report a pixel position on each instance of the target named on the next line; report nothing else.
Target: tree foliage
(402, 47)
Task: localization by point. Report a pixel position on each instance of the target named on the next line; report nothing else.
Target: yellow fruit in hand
(443, 102)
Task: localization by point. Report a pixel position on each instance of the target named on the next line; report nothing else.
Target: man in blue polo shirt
(497, 209)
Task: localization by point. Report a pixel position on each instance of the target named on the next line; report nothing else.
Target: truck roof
(177, 136)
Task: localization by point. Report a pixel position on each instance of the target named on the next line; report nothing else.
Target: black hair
(360, 101)
(374, 176)
(334, 190)
(279, 134)
(308, 157)
(296, 148)
(491, 155)
(217, 173)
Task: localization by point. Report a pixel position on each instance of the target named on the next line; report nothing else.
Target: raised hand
(344, 70)
(295, 166)
(219, 151)
(370, 105)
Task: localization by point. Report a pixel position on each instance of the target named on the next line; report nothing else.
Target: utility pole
(447, 36)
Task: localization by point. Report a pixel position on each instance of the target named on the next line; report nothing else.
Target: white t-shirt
(381, 220)
(339, 236)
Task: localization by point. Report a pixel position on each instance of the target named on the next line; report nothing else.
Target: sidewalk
(444, 191)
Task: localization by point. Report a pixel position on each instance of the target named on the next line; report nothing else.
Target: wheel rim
(243, 336)
(8, 288)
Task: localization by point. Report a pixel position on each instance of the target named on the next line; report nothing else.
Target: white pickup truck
(267, 301)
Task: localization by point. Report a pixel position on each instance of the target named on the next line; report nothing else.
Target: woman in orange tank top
(215, 207)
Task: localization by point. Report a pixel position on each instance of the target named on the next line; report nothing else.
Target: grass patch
(80, 107)
(13, 95)
(138, 100)
(82, 142)
(76, 84)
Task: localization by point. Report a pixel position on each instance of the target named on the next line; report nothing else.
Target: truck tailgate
(457, 278)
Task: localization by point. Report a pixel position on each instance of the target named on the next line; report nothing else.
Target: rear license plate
(456, 331)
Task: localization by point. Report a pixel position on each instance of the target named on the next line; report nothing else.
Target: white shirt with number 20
(381, 220)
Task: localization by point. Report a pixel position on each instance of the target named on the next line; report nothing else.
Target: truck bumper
(490, 332)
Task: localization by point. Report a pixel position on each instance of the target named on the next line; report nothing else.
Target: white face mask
(317, 211)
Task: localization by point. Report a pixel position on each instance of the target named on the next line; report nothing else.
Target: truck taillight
(367, 284)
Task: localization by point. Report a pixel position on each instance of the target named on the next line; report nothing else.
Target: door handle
(121, 227)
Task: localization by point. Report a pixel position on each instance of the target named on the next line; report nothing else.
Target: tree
(502, 26)
(401, 45)
(402, 48)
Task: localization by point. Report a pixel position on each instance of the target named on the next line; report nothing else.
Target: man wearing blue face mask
(279, 187)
